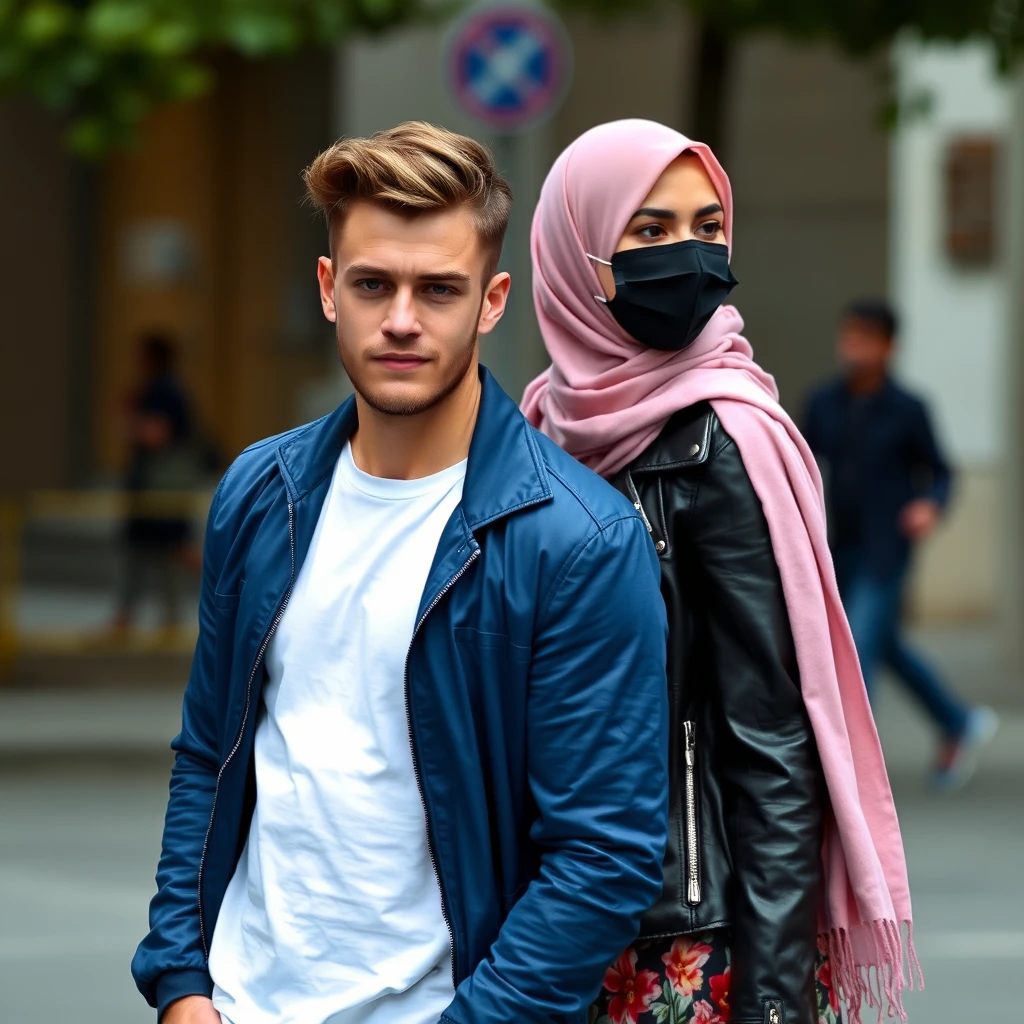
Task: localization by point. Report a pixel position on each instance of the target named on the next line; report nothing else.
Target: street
(79, 841)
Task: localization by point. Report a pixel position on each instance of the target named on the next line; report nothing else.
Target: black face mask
(666, 294)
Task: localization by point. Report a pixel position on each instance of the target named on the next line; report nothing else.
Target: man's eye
(370, 284)
(439, 291)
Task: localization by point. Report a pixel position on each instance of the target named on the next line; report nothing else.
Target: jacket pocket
(692, 836)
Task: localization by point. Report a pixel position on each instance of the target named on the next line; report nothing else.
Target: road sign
(508, 64)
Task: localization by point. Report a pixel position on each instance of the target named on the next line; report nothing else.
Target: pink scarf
(606, 398)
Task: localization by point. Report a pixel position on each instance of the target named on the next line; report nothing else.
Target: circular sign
(508, 64)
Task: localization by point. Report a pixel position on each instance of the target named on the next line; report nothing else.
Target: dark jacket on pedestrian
(878, 453)
(537, 716)
(745, 831)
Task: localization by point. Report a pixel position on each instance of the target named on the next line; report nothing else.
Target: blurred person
(783, 881)
(161, 432)
(422, 766)
(888, 485)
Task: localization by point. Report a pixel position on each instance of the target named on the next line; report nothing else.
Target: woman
(785, 878)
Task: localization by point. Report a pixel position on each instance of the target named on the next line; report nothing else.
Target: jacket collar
(684, 441)
(505, 471)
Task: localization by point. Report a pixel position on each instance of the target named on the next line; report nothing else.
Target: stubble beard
(380, 402)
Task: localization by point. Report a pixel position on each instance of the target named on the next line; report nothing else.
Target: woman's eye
(710, 229)
(652, 231)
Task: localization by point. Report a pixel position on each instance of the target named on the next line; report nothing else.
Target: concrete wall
(36, 281)
(809, 168)
(953, 348)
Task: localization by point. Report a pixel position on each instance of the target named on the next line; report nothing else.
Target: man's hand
(191, 1010)
(919, 518)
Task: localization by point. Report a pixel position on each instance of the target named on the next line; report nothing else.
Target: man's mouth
(400, 361)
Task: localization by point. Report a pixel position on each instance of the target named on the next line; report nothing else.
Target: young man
(422, 768)
(888, 484)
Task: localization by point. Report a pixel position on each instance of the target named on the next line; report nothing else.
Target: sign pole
(508, 64)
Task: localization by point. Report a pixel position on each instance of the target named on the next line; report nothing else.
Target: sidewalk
(126, 721)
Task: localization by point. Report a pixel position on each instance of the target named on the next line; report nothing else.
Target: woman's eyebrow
(653, 211)
(706, 211)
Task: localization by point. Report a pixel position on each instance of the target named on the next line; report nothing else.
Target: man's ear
(495, 300)
(325, 275)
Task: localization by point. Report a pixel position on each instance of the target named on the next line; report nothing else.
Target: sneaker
(958, 758)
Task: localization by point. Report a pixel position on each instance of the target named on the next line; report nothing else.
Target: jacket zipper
(415, 762)
(692, 865)
(635, 494)
(245, 715)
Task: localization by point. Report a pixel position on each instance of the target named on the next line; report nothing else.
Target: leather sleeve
(771, 773)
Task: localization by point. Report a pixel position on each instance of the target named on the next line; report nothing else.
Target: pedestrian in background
(785, 873)
(165, 464)
(888, 484)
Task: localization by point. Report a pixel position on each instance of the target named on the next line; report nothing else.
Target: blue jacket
(537, 706)
(878, 454)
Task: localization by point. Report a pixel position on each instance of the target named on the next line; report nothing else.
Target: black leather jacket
(747, 798)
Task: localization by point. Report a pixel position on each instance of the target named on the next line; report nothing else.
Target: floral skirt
(655, 982)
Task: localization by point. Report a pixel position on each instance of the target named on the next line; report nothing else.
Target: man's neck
(412, 447)
(865, 384)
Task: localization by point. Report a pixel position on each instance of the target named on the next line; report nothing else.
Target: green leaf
(114, 24)
(257, 33)
(170, 38)
(188, 81)
(43, 23)
(89, 137)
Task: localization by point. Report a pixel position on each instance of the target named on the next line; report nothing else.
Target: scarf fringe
(879, 983)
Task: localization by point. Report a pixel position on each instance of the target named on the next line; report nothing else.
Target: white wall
(954, 343)
(953, 339)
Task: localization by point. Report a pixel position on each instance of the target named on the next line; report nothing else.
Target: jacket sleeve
(170, 962)
(597, 761)
(927, 454)
(771, 771)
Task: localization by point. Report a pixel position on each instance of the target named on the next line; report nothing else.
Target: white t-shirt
(333, 915)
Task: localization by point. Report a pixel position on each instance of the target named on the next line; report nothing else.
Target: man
(888, 484)
(422, 768)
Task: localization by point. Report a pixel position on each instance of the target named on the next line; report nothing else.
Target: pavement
(83, 784)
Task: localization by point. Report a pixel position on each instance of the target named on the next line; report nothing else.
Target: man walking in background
(887, 484)
(422, 768)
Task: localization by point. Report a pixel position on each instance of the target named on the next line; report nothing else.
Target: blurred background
(160, 312)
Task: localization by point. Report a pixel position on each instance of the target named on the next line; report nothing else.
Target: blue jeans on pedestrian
(873, 606)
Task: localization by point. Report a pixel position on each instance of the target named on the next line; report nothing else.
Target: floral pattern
(688, 984)
(631, 991)
(683, 963)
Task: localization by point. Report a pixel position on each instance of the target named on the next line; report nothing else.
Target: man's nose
(401, 320)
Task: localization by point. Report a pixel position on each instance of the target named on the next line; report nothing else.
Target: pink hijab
(606, 398)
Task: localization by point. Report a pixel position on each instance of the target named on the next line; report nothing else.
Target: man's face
(864, 348)
(408, 297)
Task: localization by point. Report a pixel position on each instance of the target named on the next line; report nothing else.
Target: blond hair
(413, 168)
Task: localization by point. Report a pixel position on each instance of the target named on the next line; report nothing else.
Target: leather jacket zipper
(692, 862)
(635, 495)
(245, 715)
(415, 762)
